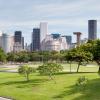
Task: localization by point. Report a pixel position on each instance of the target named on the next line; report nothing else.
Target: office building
(18, 42)
(7, 43)
(36, 39)
(23, 42)
(0, 39)
(43, 30)
(18, 37)
(78, 37)
(50, 43)
(92, 29)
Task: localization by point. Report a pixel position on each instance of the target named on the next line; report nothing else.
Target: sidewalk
(4, 98)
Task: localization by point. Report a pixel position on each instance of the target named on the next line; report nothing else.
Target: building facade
(92, 29)
(18, 36)
(36, 39)
(7, 43)
(43, 30)
(18, 42)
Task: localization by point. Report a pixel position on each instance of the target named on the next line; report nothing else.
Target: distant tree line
(82, 54)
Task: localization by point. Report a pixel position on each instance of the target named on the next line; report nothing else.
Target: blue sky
(63, 16)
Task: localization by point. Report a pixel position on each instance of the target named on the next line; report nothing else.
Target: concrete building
(23, 42)
(18, 42)
(78, 37)
(18, 36)
(43, 30)
(69, 39)
(7, 43)
(64, 44)
(92, 29)
(50, 43)
(36, 39)
(0, 39)
(17, 47)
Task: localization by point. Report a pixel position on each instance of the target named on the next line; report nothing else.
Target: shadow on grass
(90, 92)
(25, 84)
(61, 73)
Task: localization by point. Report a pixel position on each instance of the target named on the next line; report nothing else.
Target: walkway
(1, 98)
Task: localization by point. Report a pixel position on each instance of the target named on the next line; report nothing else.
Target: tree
(79, 55)
(50, 69)
(23, 57)
(26, 71)
(2, 55)
(69, 57)
(93, 47)
(11, 57)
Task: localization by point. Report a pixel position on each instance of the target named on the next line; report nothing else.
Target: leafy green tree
(81, 56)
(26, 71)
(2, 55)
(69, 57)
(11, 57)
(23, 57)
(93, 47)
(50, 69)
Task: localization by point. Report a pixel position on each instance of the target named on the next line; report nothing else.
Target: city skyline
(63, 16)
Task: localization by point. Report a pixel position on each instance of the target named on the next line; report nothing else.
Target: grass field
(12, 85)
(88, 68)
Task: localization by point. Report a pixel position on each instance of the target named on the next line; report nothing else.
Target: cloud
(64, 16)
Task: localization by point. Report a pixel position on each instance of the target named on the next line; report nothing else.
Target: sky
(63, 16)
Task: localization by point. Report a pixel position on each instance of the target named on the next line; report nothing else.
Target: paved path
(4, 98)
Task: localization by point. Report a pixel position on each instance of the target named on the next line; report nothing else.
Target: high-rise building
(7, 43)
(0, 39)
(23, 42)
(18, 41)
(78, 37)
(36, 39)
(43, 30)
(92, 29)
(68, 39)
(18, 36)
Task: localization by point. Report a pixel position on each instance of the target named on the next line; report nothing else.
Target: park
(70, 75)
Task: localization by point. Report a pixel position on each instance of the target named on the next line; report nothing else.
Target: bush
(82, 81)
(49, 69)
(26, 71)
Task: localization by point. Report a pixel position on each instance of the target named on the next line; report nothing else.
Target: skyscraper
(43, 30)
(23, 42)
(7, 43)
(18, 36)
(92, 29)
(36, 39)
(68, 39)
(18, 41)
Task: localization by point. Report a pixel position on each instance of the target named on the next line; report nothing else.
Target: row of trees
(89, 51)
(48, 69)
(23, 56)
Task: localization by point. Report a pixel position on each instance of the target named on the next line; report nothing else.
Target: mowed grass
(12, 85)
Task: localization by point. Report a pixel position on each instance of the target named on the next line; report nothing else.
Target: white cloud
(63, 16)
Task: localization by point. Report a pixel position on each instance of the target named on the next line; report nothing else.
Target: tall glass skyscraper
(18, 36)
(36, 39)
(92, 29)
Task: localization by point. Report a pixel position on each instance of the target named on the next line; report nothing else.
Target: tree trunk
(78, 67)
(27, 77)
(98, 62)
(70, 66)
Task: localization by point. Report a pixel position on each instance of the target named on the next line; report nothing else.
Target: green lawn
(40, 88)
